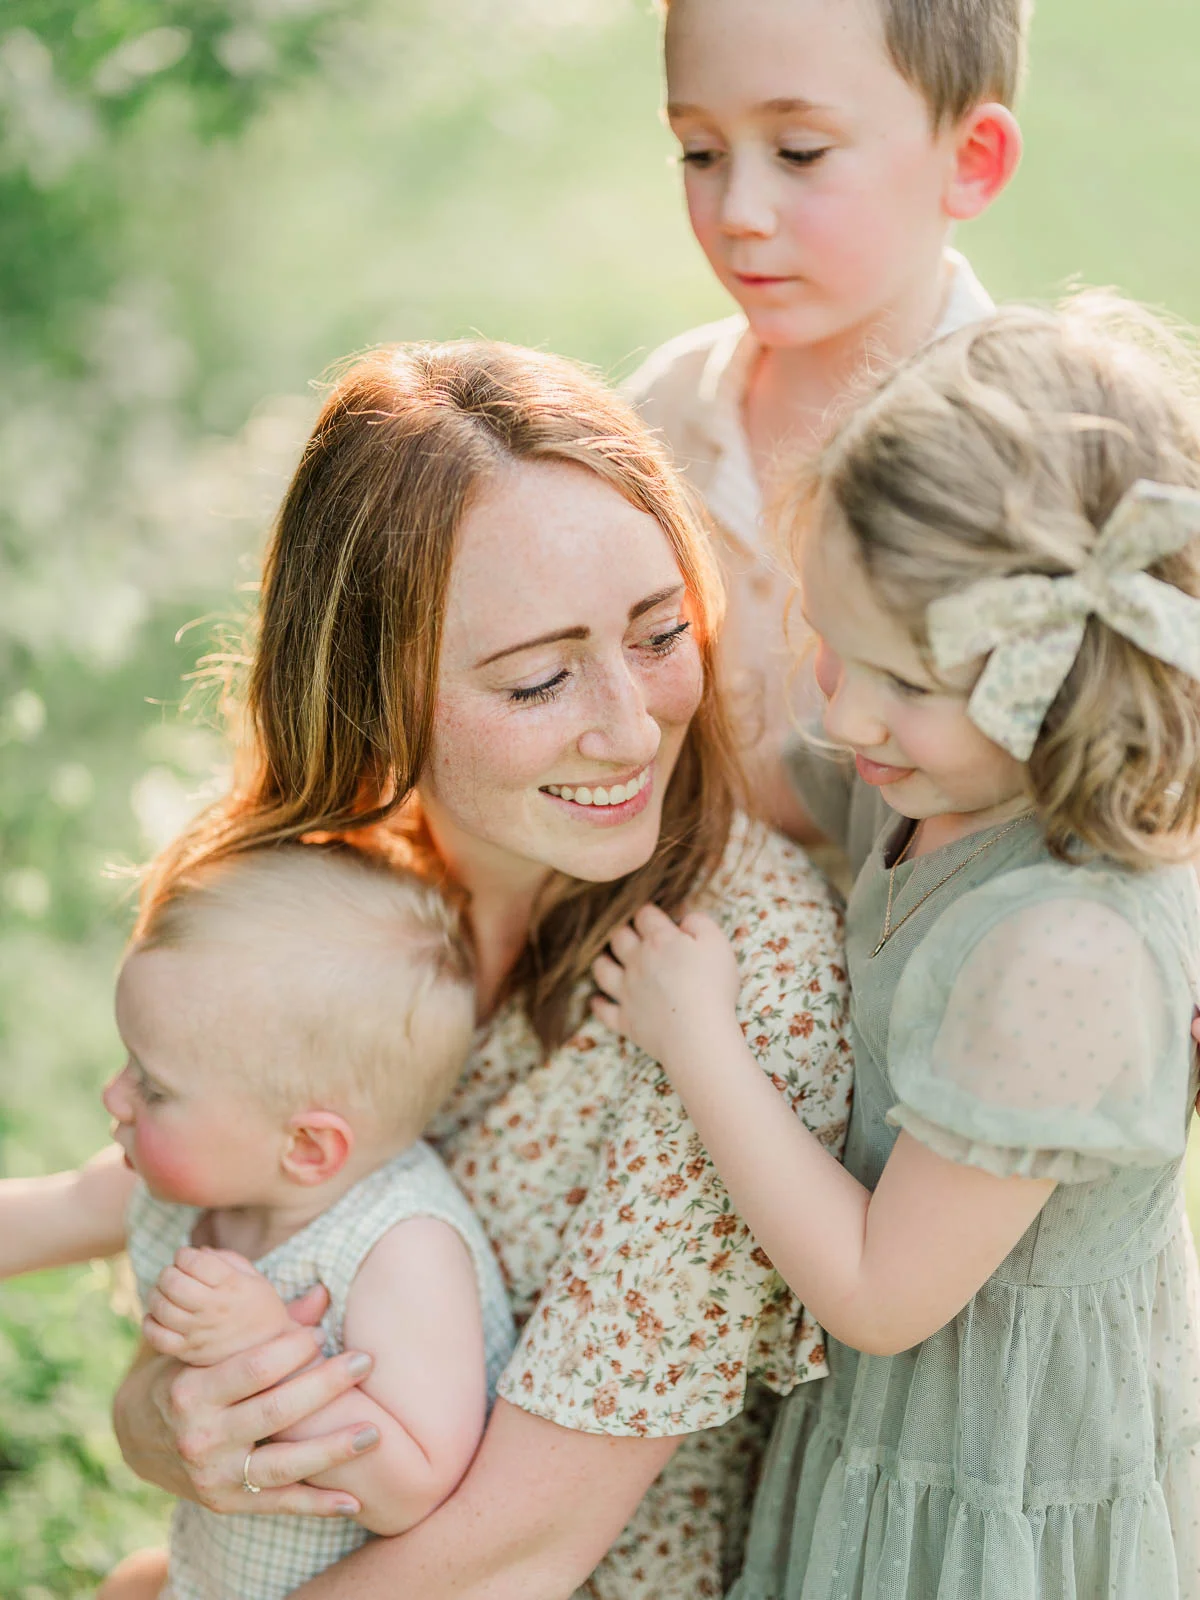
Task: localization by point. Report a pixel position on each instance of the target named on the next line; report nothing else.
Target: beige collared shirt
(691, 390)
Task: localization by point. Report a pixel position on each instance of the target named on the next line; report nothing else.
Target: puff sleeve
(660, 1304)
(1042, 1028)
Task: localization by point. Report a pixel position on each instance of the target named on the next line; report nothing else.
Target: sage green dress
(1030, 1018)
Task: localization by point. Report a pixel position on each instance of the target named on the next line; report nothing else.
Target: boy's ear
(318, 1146)
(987, 150)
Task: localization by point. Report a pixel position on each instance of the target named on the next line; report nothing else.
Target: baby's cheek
(168, 1169)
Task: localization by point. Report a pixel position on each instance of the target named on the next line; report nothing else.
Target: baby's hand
(212, 1304)
(667, 987)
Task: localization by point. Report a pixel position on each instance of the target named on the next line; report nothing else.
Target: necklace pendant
(878, 947)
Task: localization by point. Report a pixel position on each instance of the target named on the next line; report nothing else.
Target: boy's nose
(117, 1096)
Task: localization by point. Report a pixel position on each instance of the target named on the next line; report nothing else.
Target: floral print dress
(645, 1305)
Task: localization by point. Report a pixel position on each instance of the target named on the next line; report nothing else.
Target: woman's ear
(318, 1146)
(987, 151)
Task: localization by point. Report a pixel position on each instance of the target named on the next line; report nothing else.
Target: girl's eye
(663, 643)
(699, 158)
(538, 693)
(911, 691)
(803, 158)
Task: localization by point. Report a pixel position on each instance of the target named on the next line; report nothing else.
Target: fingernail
(365, 1438)
(347, 1508)
(358, 1366)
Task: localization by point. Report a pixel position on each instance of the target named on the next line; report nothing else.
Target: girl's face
(815, 184)
(569, 674)
(187, 1129)
(911, 735)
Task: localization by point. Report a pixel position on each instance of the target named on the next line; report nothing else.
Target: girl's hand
(209, 1305)
(667, 987)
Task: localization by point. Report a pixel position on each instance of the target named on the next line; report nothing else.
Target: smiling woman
(485, 648)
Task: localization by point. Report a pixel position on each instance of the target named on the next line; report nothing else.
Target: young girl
(1000, 559)
(292, 1017)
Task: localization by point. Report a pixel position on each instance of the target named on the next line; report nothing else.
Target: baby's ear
(318, 1146)
(987, 151)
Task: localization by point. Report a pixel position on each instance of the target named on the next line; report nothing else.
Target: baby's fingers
(169, 1313)
(165, 1340)
(211, 1267)
(181, 1289)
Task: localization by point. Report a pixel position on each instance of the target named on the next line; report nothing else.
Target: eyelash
(661, 644)
(704, 160)
(149, 1096)
(910, 691)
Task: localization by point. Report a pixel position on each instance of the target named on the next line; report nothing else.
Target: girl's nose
(746, 207)
(850, 716)
(118, 1096)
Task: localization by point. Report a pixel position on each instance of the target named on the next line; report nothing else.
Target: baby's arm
(880, 1271)
(414, 1307)
(209, 1305)
(69, 1217)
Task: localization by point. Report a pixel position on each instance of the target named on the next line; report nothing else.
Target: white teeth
(615, 796)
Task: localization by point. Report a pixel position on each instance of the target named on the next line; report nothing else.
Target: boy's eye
(803, 158)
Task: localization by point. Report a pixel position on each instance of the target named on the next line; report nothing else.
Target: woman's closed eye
(660, 643)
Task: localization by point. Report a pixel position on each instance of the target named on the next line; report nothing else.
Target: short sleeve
(661, 1304)
(1042, 1028)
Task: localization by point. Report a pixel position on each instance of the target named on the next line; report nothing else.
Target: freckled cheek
(478, 758)
(673, 696)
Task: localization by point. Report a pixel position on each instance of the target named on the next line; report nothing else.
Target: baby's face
(186, 1127)
(814, 180)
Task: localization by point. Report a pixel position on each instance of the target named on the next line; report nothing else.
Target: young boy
(828, 149)
(292, 1020)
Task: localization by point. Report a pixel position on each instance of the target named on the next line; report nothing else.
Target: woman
(486, 642)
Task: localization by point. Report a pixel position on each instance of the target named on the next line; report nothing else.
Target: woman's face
(568, 676)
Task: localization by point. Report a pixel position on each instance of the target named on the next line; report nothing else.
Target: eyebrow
(784, 107)
(580, 632)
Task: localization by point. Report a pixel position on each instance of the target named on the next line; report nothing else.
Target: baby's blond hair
(1004, 449)
(367, 984)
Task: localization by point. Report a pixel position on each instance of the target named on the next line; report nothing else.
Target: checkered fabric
(264, 1558)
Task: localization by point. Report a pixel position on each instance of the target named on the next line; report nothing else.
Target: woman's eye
(663, 643)
(803, 158)
(538, 693)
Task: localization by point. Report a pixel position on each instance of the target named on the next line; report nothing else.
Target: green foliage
(203, 203)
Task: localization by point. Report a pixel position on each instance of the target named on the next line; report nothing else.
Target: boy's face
(187, 1129)
(814, 180)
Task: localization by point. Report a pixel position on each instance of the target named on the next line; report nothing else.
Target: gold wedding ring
(251, 1488)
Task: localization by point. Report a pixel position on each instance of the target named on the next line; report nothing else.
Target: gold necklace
(888, 930)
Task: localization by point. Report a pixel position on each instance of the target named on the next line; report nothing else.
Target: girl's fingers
(289, 1403)
(623, 942)
(650, 921)
(609, 974)
(699, 925)
(607, 1012)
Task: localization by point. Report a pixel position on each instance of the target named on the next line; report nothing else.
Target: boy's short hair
(366, 983)
(958, 53)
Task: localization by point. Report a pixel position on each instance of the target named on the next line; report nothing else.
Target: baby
(292, 1019)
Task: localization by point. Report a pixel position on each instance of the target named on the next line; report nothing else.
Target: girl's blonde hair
(340, 703)
(1004, 449)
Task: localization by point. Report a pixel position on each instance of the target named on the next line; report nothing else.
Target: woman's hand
(667, 986)
(191, 1429)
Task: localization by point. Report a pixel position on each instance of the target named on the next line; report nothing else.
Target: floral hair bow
(1031, 626)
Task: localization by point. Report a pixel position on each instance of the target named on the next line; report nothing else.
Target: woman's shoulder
(766, 882)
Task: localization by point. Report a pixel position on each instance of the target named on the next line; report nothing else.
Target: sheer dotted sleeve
(1042, 1028)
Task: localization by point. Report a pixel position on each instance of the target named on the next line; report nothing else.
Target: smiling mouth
(617, 795)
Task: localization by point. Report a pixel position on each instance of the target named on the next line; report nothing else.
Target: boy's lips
(878, 773)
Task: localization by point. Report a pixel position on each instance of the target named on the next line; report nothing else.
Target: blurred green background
(202, 204)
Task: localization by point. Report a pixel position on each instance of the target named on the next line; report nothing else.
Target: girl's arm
(538, 1510)
(69, 1217)
(879, 1271)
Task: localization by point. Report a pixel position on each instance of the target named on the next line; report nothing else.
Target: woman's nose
(747, 210)
(621, 730)
(118, 1096)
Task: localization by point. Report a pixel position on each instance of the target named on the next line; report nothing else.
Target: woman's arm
(536, 1513)
(879, 1271)
(69, 1217)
